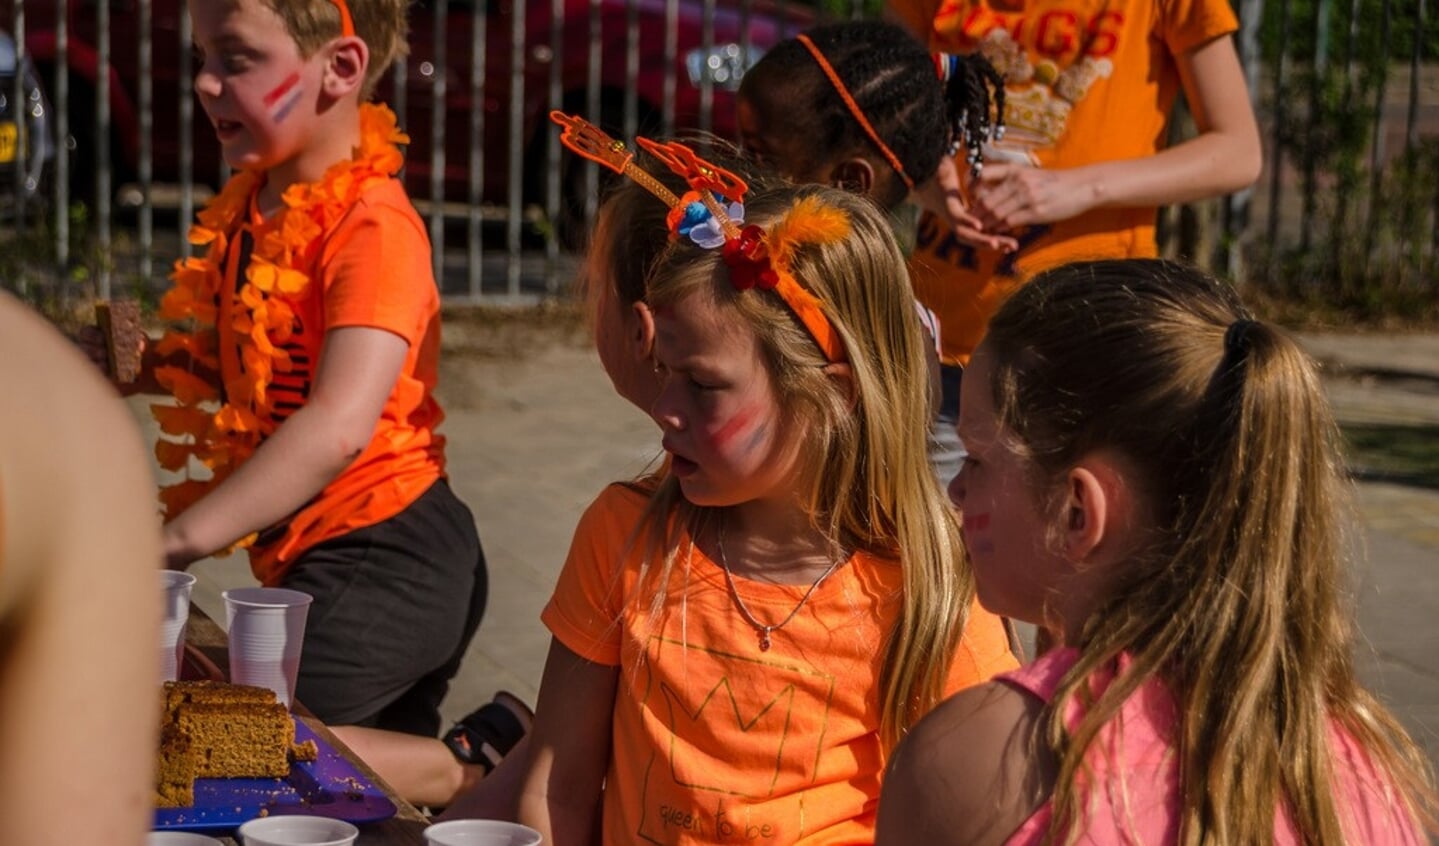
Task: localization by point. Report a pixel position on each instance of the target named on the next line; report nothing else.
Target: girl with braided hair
(883, 116)
(882, 113)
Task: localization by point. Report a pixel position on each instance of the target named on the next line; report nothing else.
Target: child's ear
(643, 333)
(345, 71)
(843, 376)
(1095, 510)
(854, 174)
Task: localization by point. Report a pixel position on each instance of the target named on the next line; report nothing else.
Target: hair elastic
(347, 24)
(855, 110)
(1236, 337)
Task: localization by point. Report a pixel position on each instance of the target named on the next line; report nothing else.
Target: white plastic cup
(481, 833)
(177, 587)
(179, 838)
(267, 631)
(297, 831)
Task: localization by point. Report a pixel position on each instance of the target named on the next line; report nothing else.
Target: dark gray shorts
(396, 604)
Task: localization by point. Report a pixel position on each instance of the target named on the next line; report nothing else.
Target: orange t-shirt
(373, 269)
(1085, 81)
(716, 740)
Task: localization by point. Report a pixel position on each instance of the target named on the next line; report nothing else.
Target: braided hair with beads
(869, 85)
(971, 81)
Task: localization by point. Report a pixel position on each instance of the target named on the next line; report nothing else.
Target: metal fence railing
(1348, 92)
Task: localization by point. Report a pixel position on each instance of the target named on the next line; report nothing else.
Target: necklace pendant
(764, 640)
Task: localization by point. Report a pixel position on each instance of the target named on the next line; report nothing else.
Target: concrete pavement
(535, 432)
(1393, 380)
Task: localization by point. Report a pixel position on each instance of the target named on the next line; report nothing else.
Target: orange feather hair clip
(762, 259)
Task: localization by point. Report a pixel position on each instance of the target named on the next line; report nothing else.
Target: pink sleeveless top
(1136, 797)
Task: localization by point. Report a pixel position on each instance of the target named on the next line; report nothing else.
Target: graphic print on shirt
(741, 732)
(1049, 62)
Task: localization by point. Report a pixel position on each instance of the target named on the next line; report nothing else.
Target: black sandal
(488, 734)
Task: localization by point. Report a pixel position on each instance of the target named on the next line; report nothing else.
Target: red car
(719, 56)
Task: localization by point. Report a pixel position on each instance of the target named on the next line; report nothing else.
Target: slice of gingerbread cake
(217, 730)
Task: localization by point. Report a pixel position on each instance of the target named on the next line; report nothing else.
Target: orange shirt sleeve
(1186, 24)
(376, 267)
(983, 651)
(584, 612)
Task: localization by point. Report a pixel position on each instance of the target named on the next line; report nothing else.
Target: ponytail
(1235, 596)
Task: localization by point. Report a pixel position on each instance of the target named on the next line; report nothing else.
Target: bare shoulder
(74, 481)
(970, 772)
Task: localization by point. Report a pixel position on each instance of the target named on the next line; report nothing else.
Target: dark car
(704, 66)
(25, 145)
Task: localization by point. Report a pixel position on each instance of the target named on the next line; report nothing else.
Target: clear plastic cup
(266, 633)
(177, 587)
(297, 831)
(481, 833)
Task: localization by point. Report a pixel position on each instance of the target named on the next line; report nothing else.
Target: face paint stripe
(976, 522)
(282, 89)
(756, 440)
(284, 108)
(733, 426)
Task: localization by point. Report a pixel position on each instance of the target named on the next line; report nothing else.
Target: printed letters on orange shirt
(1056, 33)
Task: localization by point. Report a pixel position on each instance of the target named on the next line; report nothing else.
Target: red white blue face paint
(285, 96)
(976, 533)
(736, 424)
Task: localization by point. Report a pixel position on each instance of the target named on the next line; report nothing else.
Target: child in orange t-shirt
(313, 325)
(759, 625)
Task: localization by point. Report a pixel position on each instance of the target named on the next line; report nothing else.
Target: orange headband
(855, 110)
(755, 258)
(347, 25)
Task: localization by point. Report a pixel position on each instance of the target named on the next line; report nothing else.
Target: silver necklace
(761, 629)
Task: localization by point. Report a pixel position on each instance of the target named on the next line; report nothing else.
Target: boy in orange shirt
(316, 312)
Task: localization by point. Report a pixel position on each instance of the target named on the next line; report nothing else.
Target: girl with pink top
(1154, 479)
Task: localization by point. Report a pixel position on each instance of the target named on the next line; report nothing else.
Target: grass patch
(1403, 453)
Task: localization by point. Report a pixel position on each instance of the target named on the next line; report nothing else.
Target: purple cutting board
(329, 786)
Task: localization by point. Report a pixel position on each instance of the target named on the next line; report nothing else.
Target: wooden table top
(405, 828)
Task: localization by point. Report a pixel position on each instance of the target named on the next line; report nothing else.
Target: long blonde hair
(868, 484)
(1237, 600)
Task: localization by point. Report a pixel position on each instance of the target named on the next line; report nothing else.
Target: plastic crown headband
(756, 258)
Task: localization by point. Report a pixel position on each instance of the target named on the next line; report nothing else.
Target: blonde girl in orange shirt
(735, 652)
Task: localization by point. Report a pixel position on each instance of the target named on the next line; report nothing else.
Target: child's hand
(1008, 196)
(943, 196)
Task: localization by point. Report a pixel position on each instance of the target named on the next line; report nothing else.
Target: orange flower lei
(219, 430)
